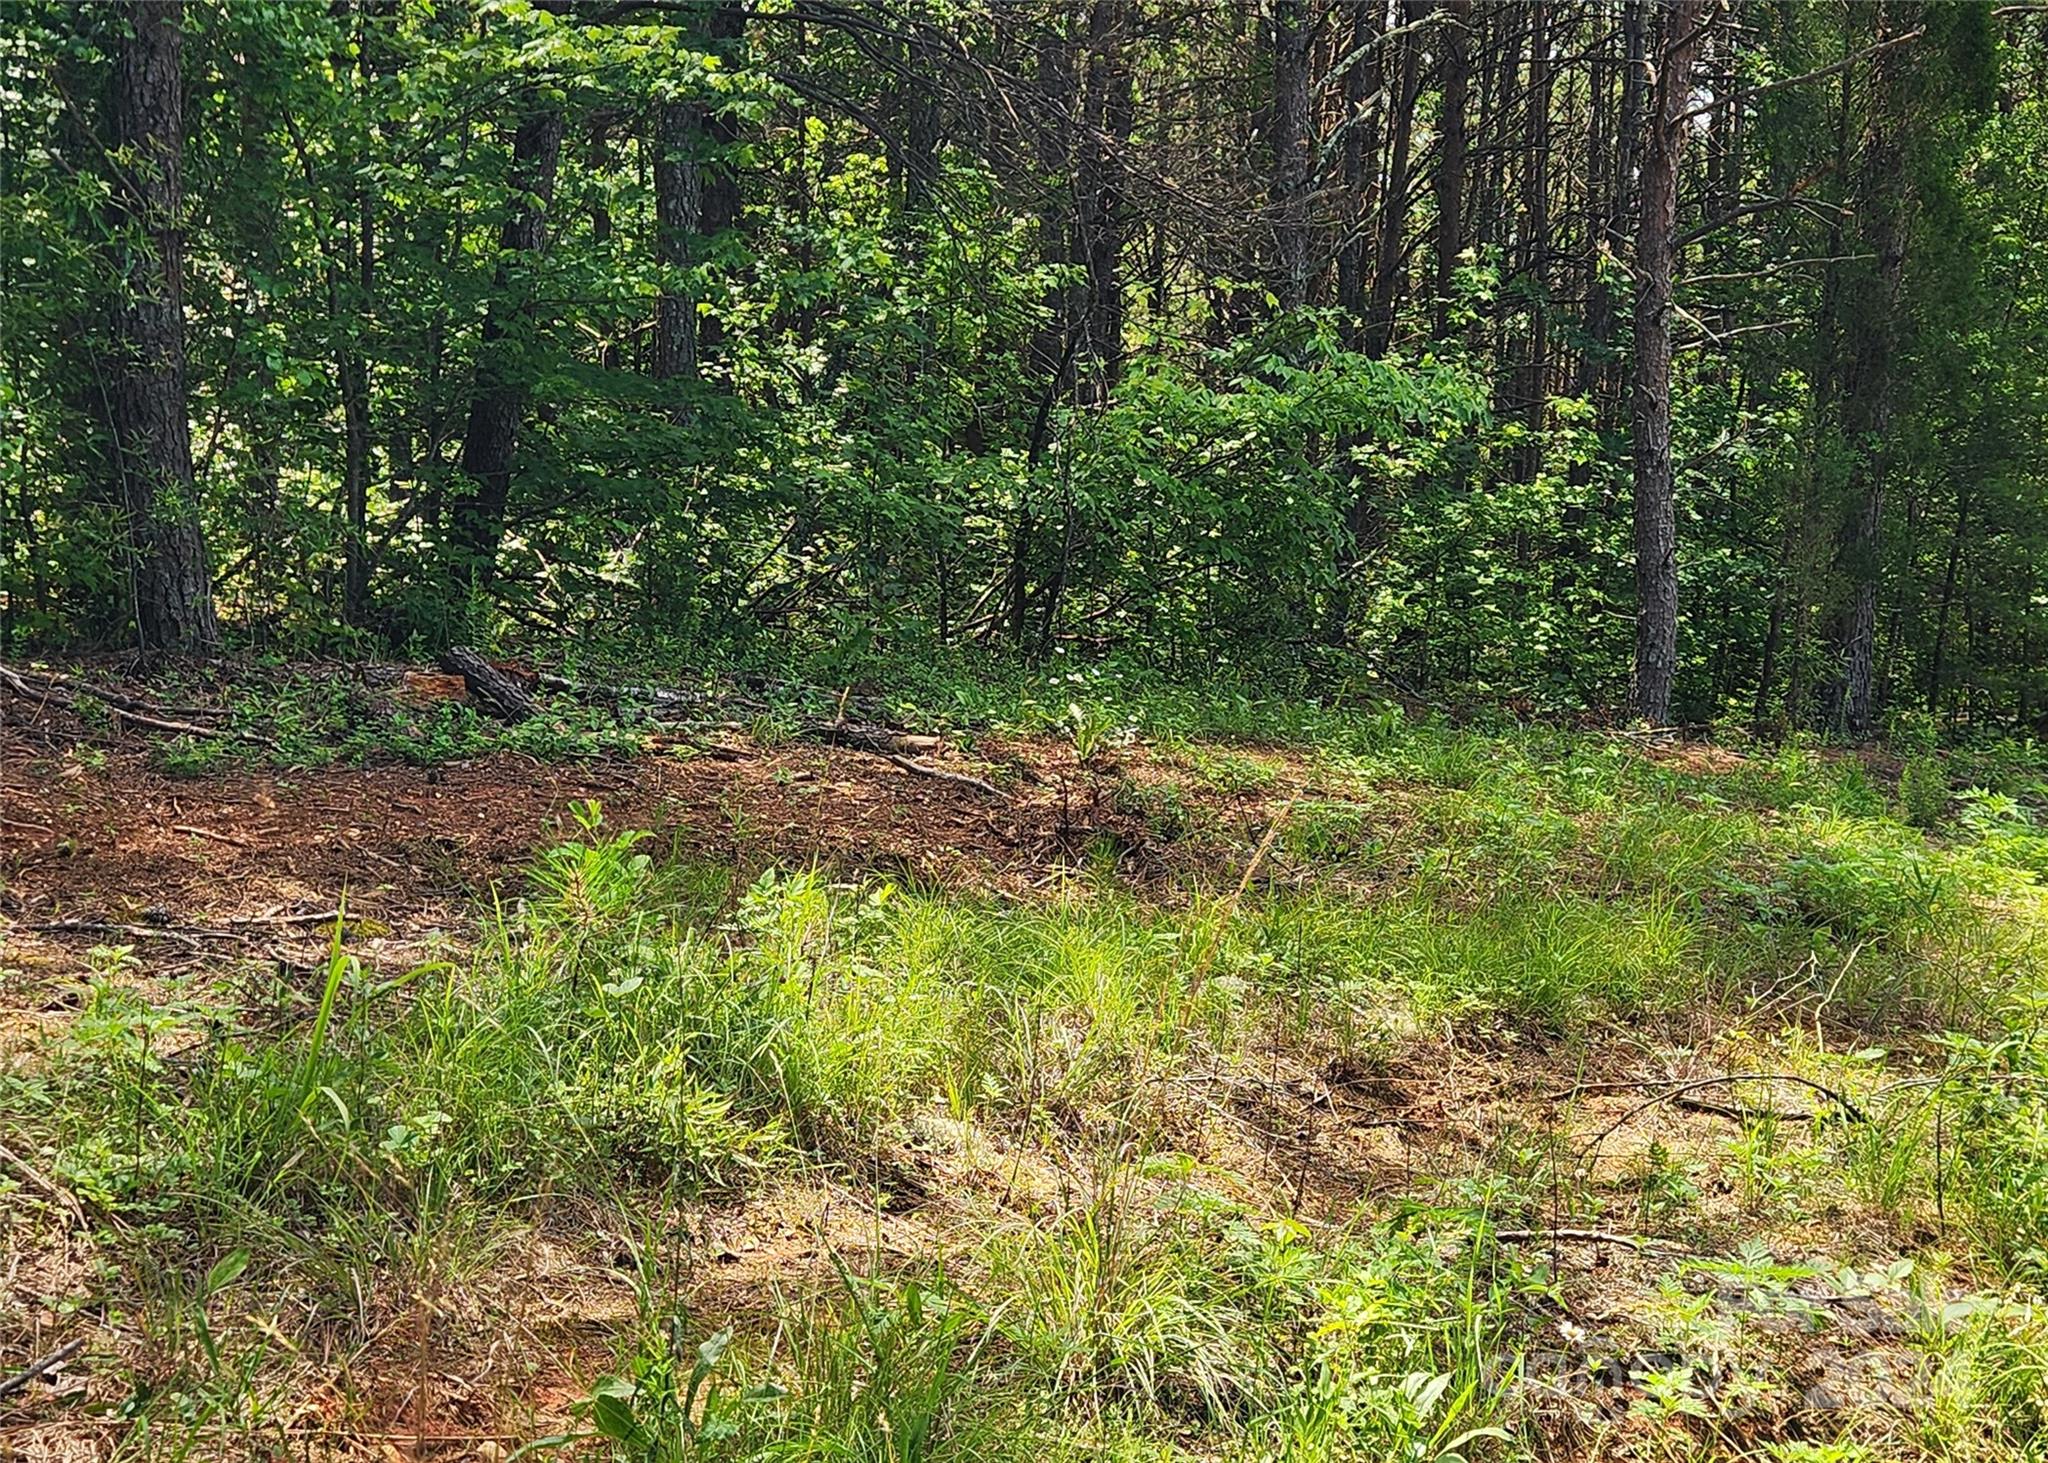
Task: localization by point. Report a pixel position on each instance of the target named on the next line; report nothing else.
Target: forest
(1683, 361)
(1024, 731)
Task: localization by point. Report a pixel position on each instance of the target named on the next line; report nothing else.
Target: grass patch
(1137, 1173)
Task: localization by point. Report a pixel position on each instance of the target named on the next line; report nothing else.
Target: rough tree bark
(1531, 389)
(173, 588)
(696, 198)
(1361, 143)
(1656, 530)
(499, 402)
(678, 211)
(1884, 202)
(1288, 195)
(354, 368)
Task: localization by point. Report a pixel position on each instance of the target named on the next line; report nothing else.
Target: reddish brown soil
(100, 834)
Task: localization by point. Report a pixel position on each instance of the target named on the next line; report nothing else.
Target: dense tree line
(1678, 355)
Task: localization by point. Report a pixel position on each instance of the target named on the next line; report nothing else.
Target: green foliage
(1923, 791)
(873, 452)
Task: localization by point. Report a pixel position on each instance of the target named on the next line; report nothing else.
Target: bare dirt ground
(244, 869)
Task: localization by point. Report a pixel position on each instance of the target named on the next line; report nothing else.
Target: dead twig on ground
(1743, 1114)
(187, 937)
(197, 832)
(924, 769)
(1690, 1084)
(42, 1367)
(236, 929)
(1681, 1086)
(1642, 1243)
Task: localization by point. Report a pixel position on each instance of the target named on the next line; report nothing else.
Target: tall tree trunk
(1361, 144)
(353, 366)
(923, 124)
(1053, 140)
(1950, 575)
(1531, 389)
(499, 403)
(1636, 79)
(696, 198)
(355, 417)
(678, 213)
(1656, 530)
(1109, 113)
(718, 179)
(1456, 29)
(84, 342)
(173, 587)
(1390, 259)
(1288, 195)
(1884, 200)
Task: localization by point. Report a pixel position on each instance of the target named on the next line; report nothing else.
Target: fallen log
(491, 688)
(870, 736)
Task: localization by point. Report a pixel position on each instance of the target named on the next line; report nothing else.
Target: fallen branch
(664, 696)
(62, 691)
(923, 769)
(186, 934)
(10, 1385)
(1680, 1086)
(198, 832)
(869, 736)
(188, 937)
(897, 747)
(1743, 1114)
(314, 917)
(1590, 1236)
(1692, 1084)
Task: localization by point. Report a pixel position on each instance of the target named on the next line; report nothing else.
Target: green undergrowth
(314, 714)
(283, 1167)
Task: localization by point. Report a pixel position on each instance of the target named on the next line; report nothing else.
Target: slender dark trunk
(152, 434)
(1629, 130)
(1390, 259)
(1361, 142)
(354, 368)
(1656, 532)
(355, 419)
(1531, 389)
(924, 121)
(478, 518)
(1110, 112)
(1456, 29)
(1883, 203)
(1950, 574)
(719, 179)
(1053, 140)
(1288, 195)
(84, 341)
